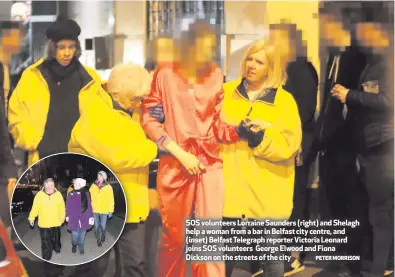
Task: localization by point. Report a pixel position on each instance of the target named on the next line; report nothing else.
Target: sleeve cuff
(351, 96)
(164, 141)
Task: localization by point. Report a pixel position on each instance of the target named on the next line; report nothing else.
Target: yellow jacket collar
(237, 85)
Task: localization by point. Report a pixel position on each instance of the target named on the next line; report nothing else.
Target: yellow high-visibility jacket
(51, 210)
(259, 182)
(117, 139)
(29, 105)
(102, 199)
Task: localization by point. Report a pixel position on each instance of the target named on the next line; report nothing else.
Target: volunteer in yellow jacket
(102, 197)
(49, 206)
(259, 169)
(52, 94)
(112, 134)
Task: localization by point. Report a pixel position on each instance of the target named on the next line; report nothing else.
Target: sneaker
(293, 267)
(74, 249)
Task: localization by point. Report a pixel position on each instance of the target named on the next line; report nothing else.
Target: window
(169, 17)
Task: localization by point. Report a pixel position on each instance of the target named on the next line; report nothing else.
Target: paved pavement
(31, 238)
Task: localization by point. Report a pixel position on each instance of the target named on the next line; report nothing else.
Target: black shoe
(293, 267)
(74, 249)
(99, 243)
(82, 252)
(103, 238)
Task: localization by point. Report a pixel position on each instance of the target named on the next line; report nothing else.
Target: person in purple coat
(79, 214)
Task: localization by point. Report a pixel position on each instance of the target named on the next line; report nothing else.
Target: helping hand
(340, 92)
(243, 129)
(191, 163)
(158, 113)
(258, 125)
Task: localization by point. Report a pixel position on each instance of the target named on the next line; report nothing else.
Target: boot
(82, 252)
(103, 238)
(74, 249)
(99, 243)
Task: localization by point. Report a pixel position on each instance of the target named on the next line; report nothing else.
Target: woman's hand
(191, 163)
(67, 219)
(258, 125)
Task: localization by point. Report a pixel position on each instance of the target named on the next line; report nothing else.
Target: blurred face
(10, 41)
(281, 39)
(50, 187)
(65, 51)
(371, 35)
(130, 100)
(77, 186)
(333, 32)
(256, 67)
(164, 50)
(100, 178)
(205, 49)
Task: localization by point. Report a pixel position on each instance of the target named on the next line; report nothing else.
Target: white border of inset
(120, 233)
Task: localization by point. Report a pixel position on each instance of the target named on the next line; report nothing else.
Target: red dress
(192, 121)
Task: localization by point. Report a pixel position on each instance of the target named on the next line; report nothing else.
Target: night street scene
(60, 212)
(230, 110)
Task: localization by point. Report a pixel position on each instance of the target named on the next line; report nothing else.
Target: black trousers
(130, 251)
(377, 166)
(153, 227)
(50, 241)
(344, 194)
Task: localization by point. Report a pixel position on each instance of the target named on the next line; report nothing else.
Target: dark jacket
(332, 130)
(331, 124)
(302, 83)
(373, 107)
(7, 162)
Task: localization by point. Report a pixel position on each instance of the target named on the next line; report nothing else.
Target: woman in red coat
(189, 180)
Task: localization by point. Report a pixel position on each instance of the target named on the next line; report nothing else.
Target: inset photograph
(68, 209)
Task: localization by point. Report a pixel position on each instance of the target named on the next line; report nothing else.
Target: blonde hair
(275, 73)
(128, 78)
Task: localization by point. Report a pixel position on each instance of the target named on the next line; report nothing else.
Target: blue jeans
(78, 238)
(100, 225)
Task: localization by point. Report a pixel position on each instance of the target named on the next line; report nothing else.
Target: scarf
(84, 199)
(60, 72)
